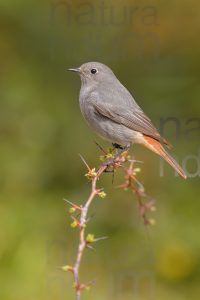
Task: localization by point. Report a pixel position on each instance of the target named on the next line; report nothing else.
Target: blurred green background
(153, 47)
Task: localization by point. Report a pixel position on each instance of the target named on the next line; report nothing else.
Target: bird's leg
(111, 161)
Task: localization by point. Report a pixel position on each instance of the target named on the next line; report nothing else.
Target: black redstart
(111, 111)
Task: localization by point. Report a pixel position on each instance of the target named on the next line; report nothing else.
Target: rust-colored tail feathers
(156, 147)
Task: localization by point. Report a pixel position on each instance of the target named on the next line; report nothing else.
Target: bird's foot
(117, 146)
(112, 161)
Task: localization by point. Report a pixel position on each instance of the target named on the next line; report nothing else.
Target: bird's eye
(93, 71)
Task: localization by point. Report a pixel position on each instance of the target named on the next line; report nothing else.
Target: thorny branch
(131, 183)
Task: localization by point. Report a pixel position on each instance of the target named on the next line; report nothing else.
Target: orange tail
(156, 147)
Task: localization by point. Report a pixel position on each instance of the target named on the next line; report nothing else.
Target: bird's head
(94, 72)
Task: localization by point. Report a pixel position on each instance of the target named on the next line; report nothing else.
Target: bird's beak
(74, 70)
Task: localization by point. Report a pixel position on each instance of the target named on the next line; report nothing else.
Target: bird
(112, 112)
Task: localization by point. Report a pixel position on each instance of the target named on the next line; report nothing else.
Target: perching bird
(111, 111)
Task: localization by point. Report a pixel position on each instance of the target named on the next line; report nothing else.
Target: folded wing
(134, 119)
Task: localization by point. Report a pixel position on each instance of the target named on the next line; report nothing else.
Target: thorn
(73, 205)
(122, 186)
(90, 247)
(89, 218)
(101, 148)
(83, 160)
(136, 161)
(101, 238)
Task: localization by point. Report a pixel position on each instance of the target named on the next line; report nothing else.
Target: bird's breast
(86, 100)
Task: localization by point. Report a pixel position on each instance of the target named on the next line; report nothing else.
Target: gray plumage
(112, 112)
(109, 108)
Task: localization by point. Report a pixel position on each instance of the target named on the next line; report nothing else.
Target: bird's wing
(134, 119)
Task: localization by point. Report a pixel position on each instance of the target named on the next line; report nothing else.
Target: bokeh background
(153, 47)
